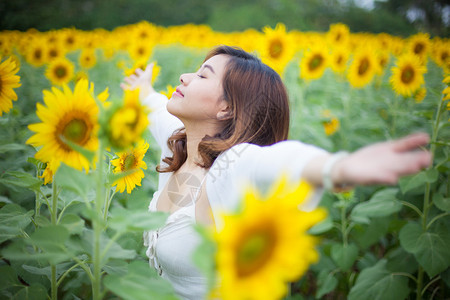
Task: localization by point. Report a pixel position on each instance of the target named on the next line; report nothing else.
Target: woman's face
(199, 97)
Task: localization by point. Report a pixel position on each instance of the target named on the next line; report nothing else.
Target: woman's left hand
(384, 162)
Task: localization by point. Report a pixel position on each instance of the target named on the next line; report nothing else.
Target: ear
(225, 112)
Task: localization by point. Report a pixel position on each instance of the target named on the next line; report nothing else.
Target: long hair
(259, 110)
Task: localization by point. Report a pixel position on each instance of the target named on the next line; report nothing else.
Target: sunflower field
(77, 166)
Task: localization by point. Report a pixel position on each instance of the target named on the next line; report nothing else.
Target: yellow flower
(169, 91)
(59, 71)
(446, 93)
(441, 53)
(277, 48)
(87, 58)
(129, 122)
(363, 68)
(338, 35)
(331, 124)
(419, 44)
(407, 75)
(420, 94)
(338, 59)
(67, 115)
(50, 170)
(131, 160)
(142, 64)
(36, 53)
(8, 81)
(140, 50)
(314, 62)
(266, 245)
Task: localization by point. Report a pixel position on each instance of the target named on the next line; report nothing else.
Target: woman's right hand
(140, 79)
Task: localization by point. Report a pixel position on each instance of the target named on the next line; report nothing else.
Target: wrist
(332, 178)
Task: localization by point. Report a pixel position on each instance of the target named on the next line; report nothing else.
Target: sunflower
(330, 123)
(420, 94)
(87, 58)
(8, 81)
(68, 116)
(264, 246)
(314, 63)
(276, 49)
(407, 75)
(441, 53)
(59, 71)
(50, 170)
(338, 59)
(338, 35)
(128, 123)
(140, 50)
(128, 161)
(363, 68)
(36, 53)
(169, 91)
(419, 44)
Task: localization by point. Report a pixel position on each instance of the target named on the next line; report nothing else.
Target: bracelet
(328, 167)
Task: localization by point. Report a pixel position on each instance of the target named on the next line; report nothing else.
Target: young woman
(226, 125)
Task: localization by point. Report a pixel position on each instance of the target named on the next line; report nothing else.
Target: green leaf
(116, 266)
(8, 277)
(33, 292)
(322, 226)
(411, 182)
(12, 147)
(441, 202)
(367, 235)
(112, 177)
(378, 283)
(51, 240)
(4, 199)
(383, 203)
(22, 179)
(73, 223)
(344, 255)
(326, 283)
(430, 248)
(114, 251)
(88, 154)
(140, 283)
(136, 220)
(74, 180)
(204, 254)
(13, 219)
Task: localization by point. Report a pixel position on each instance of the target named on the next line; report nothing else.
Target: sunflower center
(444, 56)
(128, 162)
(53, 53)
(407, 75)
(254, 251)
(315, 62)
(60, 71)
(363, 66)
(74, 127)
(276, 48)
(418, 48)
(339, 60)
(38, 53)
(338, 37)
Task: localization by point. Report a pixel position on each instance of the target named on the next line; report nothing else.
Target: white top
(170, 248)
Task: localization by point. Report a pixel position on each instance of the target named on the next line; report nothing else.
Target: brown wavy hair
(259, 110)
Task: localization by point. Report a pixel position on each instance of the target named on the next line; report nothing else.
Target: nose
(185, 78)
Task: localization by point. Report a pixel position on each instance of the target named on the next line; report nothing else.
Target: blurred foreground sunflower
(67, 115)
(266, 245)
(128, 123)
(130, 160)
(8, 81)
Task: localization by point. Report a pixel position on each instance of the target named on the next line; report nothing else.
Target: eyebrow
(209, 67)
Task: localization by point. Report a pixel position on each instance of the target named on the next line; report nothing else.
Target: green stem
(426, 198)
(437, 218)
(54, 217)
(344, 226)
(405, 274)
(410, 205)
(430, 283)
(98, 224)
(110, 243)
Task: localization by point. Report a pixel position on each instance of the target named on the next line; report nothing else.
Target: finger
(128, 80)
(124, 86)
(411, 142)
(139, 71)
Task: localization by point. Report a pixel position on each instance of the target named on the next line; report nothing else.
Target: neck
(194, 135)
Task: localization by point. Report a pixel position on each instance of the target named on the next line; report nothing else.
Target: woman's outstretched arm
(379, 163)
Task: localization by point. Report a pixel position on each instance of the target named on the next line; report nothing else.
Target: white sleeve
(162, 123)
(258, 166)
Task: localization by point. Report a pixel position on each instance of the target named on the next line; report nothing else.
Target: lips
(178, 93)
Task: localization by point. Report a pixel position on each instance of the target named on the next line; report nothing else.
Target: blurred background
(396, 17)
